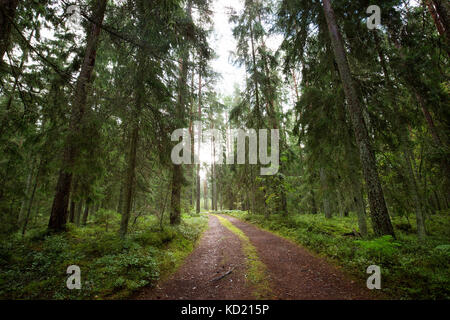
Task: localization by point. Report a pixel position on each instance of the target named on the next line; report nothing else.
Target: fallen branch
(224, 275)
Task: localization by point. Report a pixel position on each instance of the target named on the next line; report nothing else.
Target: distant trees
(87, 113)
(76, 100)
(351, 86)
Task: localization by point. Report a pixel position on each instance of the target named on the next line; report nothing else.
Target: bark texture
(7, 15)
(85, 215)
(58, 215)
(378, 211)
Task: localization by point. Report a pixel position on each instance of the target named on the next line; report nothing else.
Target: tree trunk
(313, 202)
(379, 214)
(72, 201)
(175, 201)
(177, 170)
(213, 172)
(254, 77)
(199, 141)
(440, 11)
(139, 95)
(78, 210)
(72, 211)
(25, 197)
(358, 198)
(326, 194)
(58, 215)
(7, 15)
(415, 86)
(30, 204)
(120, 202)
(192, 167)
(129, 186)
(205, 194)
(85, 214)
(275, 124)
(412, 186)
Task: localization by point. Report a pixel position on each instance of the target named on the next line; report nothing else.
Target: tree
(7, 15)
(378, 210)
(58, 216)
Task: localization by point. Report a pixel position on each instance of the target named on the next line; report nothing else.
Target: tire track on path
(218, 252)
(295, 273)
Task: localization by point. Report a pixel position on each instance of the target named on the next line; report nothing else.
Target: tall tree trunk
(435, 17)
(379, 214)
(275, 124)
(212, 187)
(198, 189)
(78, 210)
(205, 194)
(175, 201)
(26, 196)
(58, 215)
(358, 198)
(72, 211)
(131, 173)
(177, 170)
(139, 95)
(30, 204)
(313, 201)
(120, 202)
(213, 171)
(192, 167)
(254, 77)
(326, 194)
(72, 201)
(440, 11)
(415, 86)
(412, 185)
(85, 214)
(199, 142)
(7, 15)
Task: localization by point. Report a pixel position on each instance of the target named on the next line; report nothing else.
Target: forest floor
(236, 260)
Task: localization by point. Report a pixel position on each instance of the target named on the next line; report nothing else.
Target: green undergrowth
(410, 269)
(111, 267)
(256, 270)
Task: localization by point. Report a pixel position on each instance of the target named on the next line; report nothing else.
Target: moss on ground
(411, 269)
(111, 267)
(256, 270)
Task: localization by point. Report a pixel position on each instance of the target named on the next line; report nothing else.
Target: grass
(111, 267)
(256, 270)
(410, 269)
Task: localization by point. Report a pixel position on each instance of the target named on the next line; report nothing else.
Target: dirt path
(291, 271)
(218, 252)
(297, 274)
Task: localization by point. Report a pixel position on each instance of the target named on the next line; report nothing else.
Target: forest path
(297, 274)
(262, 265)
(218, 252)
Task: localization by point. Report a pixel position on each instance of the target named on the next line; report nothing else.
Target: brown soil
(218, 252)
(294, 273)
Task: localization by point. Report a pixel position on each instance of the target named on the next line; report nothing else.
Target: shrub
(111, 267)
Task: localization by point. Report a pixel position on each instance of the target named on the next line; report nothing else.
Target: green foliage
(382, 246)
(153, 71)
(410, 269)
(111, 267)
